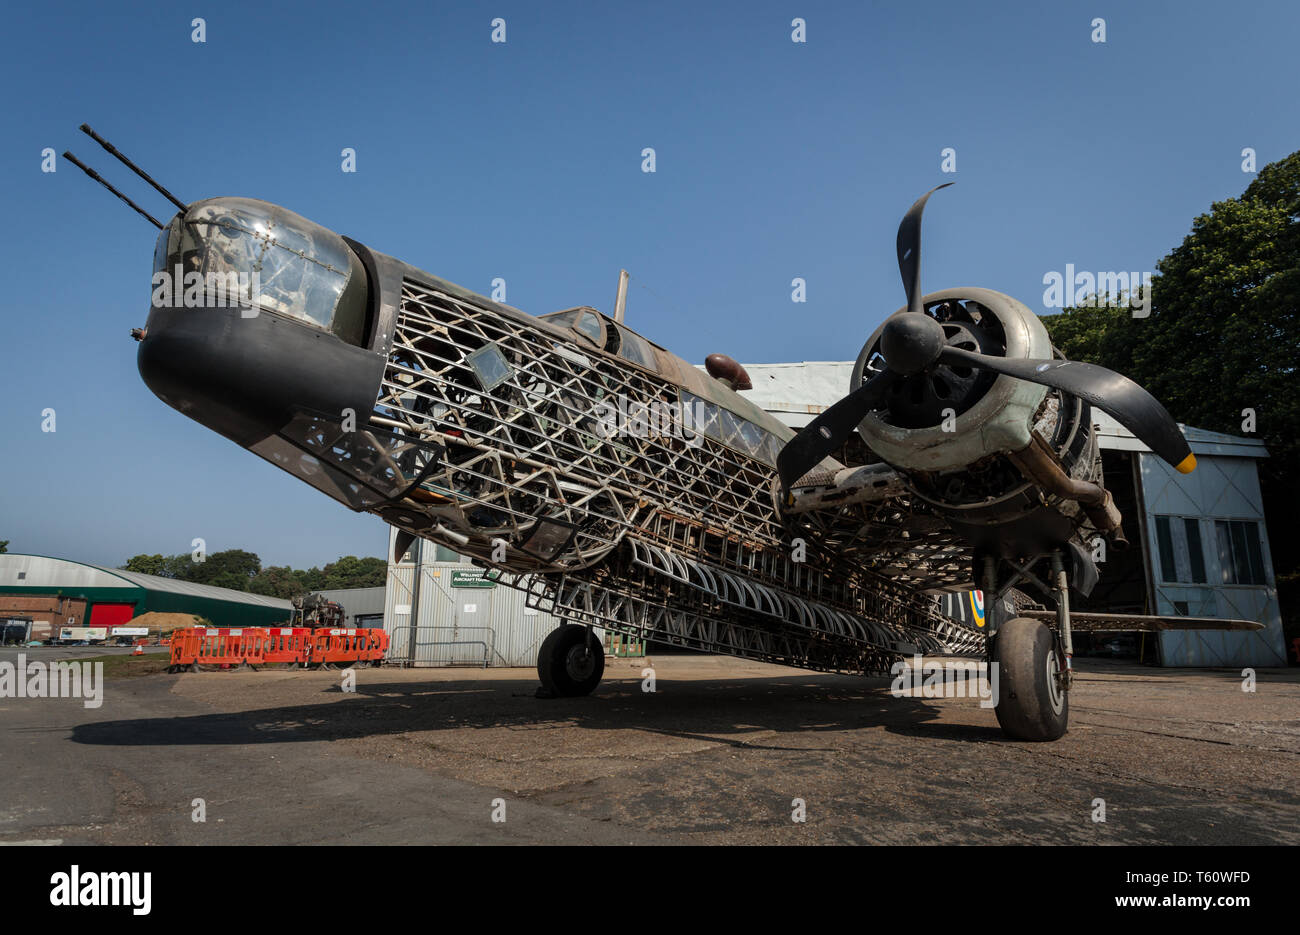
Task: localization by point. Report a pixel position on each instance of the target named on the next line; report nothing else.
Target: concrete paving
(717, 754)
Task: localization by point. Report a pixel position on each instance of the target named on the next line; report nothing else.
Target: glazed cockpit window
(581, 320)
(562, 319)
(166, 243)
(589, 324)
(635, 348)
(723, 425)
(279, 262)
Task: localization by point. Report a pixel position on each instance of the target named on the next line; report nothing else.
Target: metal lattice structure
(669, 535)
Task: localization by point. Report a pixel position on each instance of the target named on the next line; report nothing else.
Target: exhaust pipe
(1039, 463)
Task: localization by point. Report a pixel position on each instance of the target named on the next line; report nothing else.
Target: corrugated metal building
(84, 595)
(1200, 547)
(362, 607)
(442, 613)
(1206, 546)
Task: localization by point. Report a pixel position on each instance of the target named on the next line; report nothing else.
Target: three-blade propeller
(912, 342)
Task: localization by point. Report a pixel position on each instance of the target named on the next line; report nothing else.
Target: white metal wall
(1221, 488)
(432, 623)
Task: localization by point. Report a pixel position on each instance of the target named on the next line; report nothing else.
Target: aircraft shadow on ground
(723, 710)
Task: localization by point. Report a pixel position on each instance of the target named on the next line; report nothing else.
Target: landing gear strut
(570, 663)
(1033, 662)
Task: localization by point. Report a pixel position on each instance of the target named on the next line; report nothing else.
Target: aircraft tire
(1031, 706)
(566, 665)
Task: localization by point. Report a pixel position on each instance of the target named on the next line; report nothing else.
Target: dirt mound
(159, 622)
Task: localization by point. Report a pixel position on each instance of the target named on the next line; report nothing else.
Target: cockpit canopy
(606, 334)
(269, 258)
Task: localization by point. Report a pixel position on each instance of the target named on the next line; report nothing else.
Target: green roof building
(105, 597)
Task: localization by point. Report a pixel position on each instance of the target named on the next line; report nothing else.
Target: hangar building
(440, 611)
(1199, 545)
(65, 593)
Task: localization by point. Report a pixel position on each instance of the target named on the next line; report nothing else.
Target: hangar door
(439, 614)
(1209, 557)
(110, 615)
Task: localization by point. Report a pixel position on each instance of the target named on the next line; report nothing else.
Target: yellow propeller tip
(1187, 465)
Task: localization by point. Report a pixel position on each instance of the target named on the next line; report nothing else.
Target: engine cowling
(957, 434)
(993, 414)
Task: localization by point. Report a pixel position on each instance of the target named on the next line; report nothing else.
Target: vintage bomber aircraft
(963, 458)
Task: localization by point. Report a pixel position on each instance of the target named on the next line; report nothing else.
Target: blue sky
(522, 160)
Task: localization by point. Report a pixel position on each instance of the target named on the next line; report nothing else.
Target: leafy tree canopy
(1223, 335)
(242, 571)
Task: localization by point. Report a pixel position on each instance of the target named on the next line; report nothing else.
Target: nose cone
(911, 342)
(256, 312)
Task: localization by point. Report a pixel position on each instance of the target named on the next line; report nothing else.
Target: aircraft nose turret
(256, 312)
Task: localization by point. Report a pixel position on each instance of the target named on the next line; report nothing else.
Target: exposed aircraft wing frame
(1086, 622)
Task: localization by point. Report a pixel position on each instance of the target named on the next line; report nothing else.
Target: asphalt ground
(718, 753)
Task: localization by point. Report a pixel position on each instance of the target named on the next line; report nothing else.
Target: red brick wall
(56, 610)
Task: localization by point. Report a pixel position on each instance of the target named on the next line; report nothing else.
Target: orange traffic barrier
(287, 644)
(338, 645)
(375, 644)
(185, 647)
(219, 646)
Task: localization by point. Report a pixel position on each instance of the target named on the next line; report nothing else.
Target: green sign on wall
(471, 579)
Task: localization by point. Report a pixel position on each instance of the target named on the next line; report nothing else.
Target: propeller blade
(909, 249)
(830, 429)
(1118, 396)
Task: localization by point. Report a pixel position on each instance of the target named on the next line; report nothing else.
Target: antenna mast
(620, 303)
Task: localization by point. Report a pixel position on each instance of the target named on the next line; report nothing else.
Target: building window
(1182, 559)
(1240, 556)
(1192, 532)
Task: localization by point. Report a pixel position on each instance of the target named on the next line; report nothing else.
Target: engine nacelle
(989, 451)
(993, 414)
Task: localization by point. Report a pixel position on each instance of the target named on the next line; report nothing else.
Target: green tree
(231, 568)
(312, 579)
(241, 570)
(1223, 337)
(4, 546)
(352, 572)
(148, 565)
(278, 581)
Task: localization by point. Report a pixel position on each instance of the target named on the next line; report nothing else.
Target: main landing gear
(1032, 701)
(570, 663)
(1033, 662)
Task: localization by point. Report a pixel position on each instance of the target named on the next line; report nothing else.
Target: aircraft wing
(1081, 621)
(865, 515)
